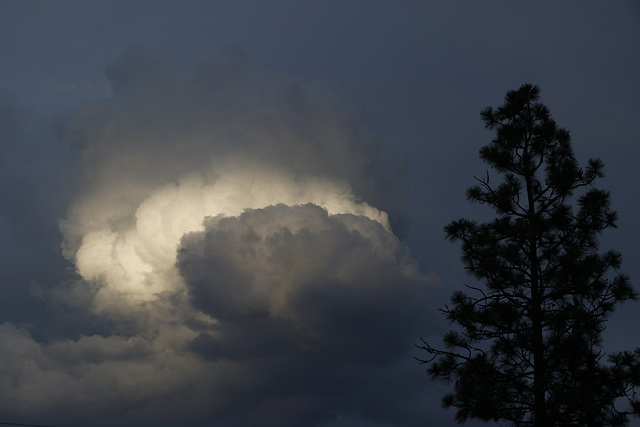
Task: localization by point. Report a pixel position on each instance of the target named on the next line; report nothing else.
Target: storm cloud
(232, 242)
(192, 235)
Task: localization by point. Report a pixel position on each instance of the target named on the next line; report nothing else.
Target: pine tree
(527, 346)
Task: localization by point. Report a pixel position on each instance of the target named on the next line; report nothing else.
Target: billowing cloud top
(231, 234)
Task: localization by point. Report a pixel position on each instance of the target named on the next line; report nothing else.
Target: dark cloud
(118, 331)
(34, 189)
(330, 281)
(305, 298)
(232, 261)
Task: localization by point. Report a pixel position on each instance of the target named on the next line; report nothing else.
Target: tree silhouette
(527, 348)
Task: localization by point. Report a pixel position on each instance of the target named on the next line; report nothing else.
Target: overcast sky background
(124, 124)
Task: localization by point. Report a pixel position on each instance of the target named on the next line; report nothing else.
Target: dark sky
(230, 213)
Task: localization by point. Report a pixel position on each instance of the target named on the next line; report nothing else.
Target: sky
(230, 213)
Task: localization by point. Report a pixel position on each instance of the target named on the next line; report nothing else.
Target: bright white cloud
(135, 263)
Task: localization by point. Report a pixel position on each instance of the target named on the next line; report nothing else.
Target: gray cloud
(305, 299)
(331, 283)
(234, 261)
(34, 189)
(161, 125)
(158, 137)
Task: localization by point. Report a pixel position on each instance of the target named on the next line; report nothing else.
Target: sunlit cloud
(137, 262)
(231, 235)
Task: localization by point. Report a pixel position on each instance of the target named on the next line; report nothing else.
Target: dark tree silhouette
(527, 346)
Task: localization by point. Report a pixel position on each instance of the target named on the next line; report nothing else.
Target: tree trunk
(539, 368)
(539, 363)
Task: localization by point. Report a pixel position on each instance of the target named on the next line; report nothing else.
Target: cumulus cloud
(233, 246)
(299, 274)
(303, 298)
